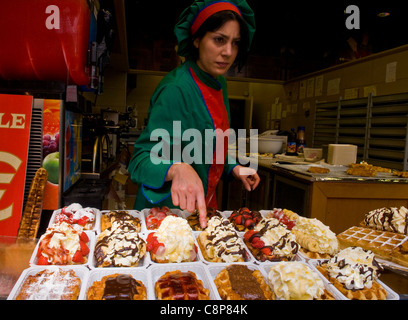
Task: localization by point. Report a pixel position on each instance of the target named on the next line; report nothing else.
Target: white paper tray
(143, 263)
(96, 223)
(80, 271)
(133, 213)
(329, 287)
(140, 274)
(157, 270)
(91, 246)
(391, 295)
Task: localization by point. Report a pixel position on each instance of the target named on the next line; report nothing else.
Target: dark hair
(213, 23)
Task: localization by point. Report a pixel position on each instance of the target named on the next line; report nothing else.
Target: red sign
(15, 120)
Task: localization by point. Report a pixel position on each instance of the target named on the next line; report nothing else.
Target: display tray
(80, 271)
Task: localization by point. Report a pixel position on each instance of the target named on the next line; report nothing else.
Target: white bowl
(312, 154)
(269, 145)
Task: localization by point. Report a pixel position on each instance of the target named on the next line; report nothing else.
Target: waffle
(318, 170)
(119, 246)
(117, 287)
(387, 219)
(297, 281)
(121, 216)
(245, 219)
(315, 238)
(51, 284)
(377, 292)
(177, 285)
(385, 245)
(220, 242)
(238, 282)
(271, 241)
(314, 255)
(194, 221)
(30, 220)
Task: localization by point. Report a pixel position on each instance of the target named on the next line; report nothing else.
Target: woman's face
(218, 49)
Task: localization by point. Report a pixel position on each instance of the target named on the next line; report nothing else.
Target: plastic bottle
(301, 140)
(291, 145)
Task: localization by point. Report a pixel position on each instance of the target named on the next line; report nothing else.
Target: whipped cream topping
(84, 212)
(314, 228)
(176, 235)
(224, 241)
(388, 219)
(119, 246)
(72, 208)
(354, 267)
(276, 236)
(295, 281)
(63, 236)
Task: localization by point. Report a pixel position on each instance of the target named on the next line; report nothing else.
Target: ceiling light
(383, 14)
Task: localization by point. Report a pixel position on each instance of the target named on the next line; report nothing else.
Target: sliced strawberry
(161, 215)
(78, 257)
(266, 251)
(291, 224)
(250, 224)
(43, 261)
(258, 243)
(238, 219)
(165, 209)
(84, 248)
(151, 242)
(84, 237)
(83, 221)
(154, 210)
(249, 234)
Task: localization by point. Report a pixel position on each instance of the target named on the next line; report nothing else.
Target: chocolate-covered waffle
(220, 242)
(271, 240)
(194, 220)
(238, 282)
(391, 219)
(121, 216)
(354, 271)
(117, 287)
(245, 219)
(177, 285)
(119, 246)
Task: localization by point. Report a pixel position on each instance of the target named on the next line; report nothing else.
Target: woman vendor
(212, 36)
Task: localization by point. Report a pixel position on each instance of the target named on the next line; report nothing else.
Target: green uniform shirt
(177, 103)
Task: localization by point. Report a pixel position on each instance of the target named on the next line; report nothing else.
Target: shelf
(377, 125)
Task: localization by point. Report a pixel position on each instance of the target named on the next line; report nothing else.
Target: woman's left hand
(250, 179)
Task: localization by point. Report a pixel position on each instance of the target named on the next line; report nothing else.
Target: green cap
(192, 18)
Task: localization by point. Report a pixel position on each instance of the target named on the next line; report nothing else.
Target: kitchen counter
(337, 199)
